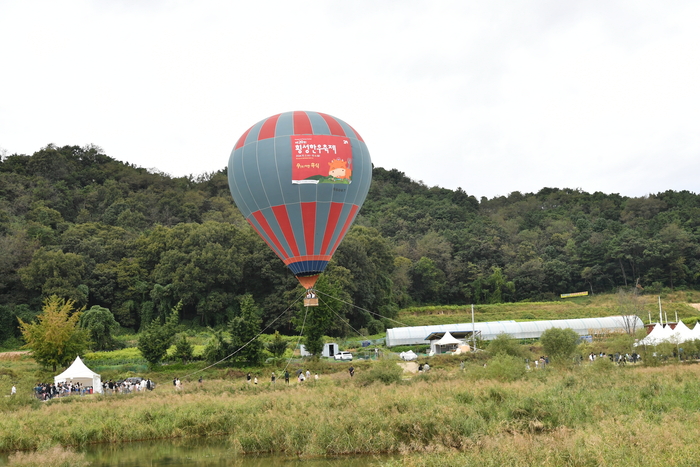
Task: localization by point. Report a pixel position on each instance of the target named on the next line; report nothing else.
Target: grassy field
(595, 414)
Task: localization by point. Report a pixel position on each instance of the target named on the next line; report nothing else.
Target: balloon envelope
(299, 178)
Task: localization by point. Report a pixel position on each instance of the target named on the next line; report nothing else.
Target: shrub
(384, 371)
(504, 367)
(505, 344)
(558, 343)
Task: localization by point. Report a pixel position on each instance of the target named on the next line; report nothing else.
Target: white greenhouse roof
(516, 329)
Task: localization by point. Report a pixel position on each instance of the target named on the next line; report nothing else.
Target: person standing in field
(351, 370)
(286, 377)
(274, 378)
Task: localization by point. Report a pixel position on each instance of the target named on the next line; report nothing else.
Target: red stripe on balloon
(268, 128)
(357, 135)
(348, 221)
(330, 226)
(241, 140)
(333, 125)
(282, 217)
(265, 239)
(308, 217)
(266, 227)
(302, 124)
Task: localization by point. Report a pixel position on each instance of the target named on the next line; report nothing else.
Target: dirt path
(695, 305)
(409, 367)
(12, 355)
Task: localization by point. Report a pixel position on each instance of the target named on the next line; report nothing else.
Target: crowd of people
(619, 358)
(127, 386)
(301, 377)
(46, 391)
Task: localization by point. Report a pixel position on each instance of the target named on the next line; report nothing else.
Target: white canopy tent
(654, 337)
(447, 343)
(78, 372)
(664, 334)
(681, 333)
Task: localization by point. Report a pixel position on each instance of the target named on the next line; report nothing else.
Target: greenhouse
(517, 329)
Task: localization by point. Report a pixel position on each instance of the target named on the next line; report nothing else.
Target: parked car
(343, 356)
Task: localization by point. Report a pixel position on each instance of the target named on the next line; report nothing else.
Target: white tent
(447, 343)
(654, 337)
(661, 334)
(696, 331)
(79, 373)
(681, 333)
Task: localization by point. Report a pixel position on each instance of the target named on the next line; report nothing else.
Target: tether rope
(303, 325)
(251, 340)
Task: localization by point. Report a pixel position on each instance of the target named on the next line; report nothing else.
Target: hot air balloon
(299, 179)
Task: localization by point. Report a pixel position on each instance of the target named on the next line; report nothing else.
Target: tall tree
(55, 338)
(157, 338)
(244, 329)
(100, 323)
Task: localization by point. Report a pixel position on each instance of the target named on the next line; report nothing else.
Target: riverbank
(593, 415)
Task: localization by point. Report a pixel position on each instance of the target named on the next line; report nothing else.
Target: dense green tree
(559, 344)
(245, 329)
(277, 346)
(55, 273)
(184, 350)
(100, 324)
(157, 337)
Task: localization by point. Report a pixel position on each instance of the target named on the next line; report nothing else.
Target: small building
(329, 350)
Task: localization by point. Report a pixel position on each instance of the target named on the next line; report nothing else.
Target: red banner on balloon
(321, 159)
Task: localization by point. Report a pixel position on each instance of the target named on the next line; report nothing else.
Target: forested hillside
(77, 223)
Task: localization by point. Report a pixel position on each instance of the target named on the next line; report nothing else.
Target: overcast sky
(493, 97)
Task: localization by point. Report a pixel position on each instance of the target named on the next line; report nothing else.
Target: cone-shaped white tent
(446, 343)
(79, 373)
(654, 337)
(681, 333)
(696, 331)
